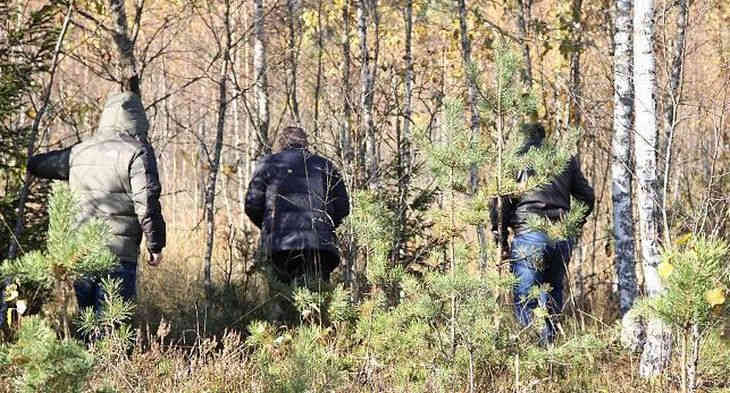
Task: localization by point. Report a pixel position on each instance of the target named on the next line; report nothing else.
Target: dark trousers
(89, 292)
(292, 264)
(536, 260)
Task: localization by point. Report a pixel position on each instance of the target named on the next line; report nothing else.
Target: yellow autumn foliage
(665, 269)
(715, 296)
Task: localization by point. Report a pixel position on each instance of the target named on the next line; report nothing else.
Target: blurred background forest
(372, 82)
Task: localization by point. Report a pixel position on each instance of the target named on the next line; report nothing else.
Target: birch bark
(261, 85)
(657, 349)
(621, 168)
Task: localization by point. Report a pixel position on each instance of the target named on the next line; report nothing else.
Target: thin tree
(125, 46)
(524, 15)
(45, 99)
(345, 140)
(366, 10)
(261, 84)
(672, 99)
(292, 8)
(225, 51)
(470, 73)
(621, 168)
(404, 140)
(657, 349)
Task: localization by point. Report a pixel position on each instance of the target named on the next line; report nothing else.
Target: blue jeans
(536, 260)
(89, 292)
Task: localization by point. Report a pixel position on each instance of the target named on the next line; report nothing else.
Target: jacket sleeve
(339, 197)
(145, 189)
(256, 194)
(580, 189)
(51, 165)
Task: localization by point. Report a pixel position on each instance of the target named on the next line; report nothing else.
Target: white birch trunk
(261, 86)
(658, 342)
(621, 192)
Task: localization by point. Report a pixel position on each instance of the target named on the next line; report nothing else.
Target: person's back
(114, 175)
(297, 199)
(536, 258)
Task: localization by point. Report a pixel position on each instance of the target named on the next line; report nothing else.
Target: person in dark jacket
(114, 175)
(297, 199)
(535, 258)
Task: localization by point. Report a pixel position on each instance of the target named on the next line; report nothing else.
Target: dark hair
(534, 134)
(291, 136)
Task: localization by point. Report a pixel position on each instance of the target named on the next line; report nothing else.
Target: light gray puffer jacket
(114, 174)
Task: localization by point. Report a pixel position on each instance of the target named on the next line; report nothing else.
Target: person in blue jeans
(535, 258)
(115, 178)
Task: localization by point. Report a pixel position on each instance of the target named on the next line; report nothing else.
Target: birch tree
(621, 173)
(261, 84)
(657, 349)
(129, 77)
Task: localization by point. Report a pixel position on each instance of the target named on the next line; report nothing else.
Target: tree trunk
(368, 9)
(261, 86)
(216, 159)
(404, 140)
(621, 168)
(120, 34)
(293, 17)
(524, 10)
(45, 99)
(671, 105)
(318, 83)
(658, 343)
(345, 140)
(345, 146)
(474, 120)
(575, 87)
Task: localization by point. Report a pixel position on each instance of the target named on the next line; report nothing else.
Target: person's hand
(155, 258)
(506, 255)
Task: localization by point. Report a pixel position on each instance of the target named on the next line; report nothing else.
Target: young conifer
(44, 279)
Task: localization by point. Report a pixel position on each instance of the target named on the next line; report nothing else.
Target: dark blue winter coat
(297, 199)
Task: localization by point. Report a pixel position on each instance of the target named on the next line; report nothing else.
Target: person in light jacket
(114, 175)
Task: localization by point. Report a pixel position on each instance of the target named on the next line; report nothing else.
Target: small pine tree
(696, 277)
(44, 279)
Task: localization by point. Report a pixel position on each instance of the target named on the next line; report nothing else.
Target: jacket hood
(123, 113)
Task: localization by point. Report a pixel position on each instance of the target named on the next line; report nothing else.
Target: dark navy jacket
(297, 199)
